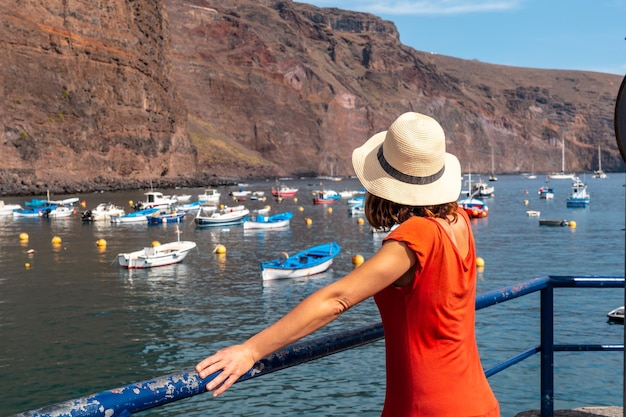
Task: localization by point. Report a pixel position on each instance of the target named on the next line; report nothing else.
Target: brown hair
(384, 214)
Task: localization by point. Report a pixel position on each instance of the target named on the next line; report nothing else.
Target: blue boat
(275, 221)
(134, 217)
(166, 217)
(310, 261)
(579, 196)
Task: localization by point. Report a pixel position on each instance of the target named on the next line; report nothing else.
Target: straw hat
(408, 164)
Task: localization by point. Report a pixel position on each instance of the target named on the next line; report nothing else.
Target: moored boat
(275, 221)
(474, 207)
(165, 216)
(7, 209)
(579, 196)
(326, 197)
(159, 255)
(138, 216)
(553, 222)
(284, 191)
(310, 261)
(616, 315)
(227, 216)
(546, 193)
(210, 195)
(103, 211)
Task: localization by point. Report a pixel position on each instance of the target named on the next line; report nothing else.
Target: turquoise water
(74, 323)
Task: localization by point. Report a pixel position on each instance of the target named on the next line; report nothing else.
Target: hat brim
(376, 181)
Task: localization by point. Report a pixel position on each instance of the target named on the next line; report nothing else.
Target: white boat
(276, 221)
(58, 212)
(182, 198)
(156, 199)
(207, 217)
(103, 211)
(616, 315)
(7, 209)
(241, 194)
(140, 216)
(579, 196)
(159, 255)
(308, 262)
(533, 213)
(546, 193)
(210, 195)
(482, 189)
(599, 173)
(561, 175)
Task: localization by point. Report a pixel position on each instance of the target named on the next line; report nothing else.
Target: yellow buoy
(279, 199)
(572, 224)
(155, 243)
(330, 209)
(56, 240)
(295, 199)
(131, 203)
(27, 265)
(83, 204)
(360, 220)
(24, 237)
(308, 221)
(220, 249)
(357, 259)
(300, 208)
(101, 242)
(525, 202)
(480, 262)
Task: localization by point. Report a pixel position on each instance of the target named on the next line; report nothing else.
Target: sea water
(72, 322)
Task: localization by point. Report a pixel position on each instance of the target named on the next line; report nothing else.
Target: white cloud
(421, 7)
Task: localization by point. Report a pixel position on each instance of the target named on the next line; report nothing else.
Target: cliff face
(181, 92)
(87, 95)
(302, 86)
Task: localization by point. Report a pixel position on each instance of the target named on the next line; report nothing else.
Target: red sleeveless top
(433, 365)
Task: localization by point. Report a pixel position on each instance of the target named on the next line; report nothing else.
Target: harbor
(99, 326)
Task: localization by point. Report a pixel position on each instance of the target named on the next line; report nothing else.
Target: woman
(423, 279)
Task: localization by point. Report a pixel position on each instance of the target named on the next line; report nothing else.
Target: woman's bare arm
(315, 311)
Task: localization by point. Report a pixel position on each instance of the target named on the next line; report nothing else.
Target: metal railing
(125, 401)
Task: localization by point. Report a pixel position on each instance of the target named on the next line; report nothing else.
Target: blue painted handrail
(166, 389)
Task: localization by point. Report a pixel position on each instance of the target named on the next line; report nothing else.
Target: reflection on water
(73, 322)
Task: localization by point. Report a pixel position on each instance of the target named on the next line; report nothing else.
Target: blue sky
(586, 35)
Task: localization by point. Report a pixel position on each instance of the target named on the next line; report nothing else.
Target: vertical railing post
(547, 351)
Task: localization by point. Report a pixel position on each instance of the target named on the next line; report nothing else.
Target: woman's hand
(233, 361)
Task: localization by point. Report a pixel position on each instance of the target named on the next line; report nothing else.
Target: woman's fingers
(232, 362)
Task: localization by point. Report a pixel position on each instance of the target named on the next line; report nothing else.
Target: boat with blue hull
(579, 196)
(310, 261)
(275, 221)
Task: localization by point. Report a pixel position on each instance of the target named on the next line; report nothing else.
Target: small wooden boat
(159, 255)
(307, 262)
(616, 315)
(275, 221)
(208, 217)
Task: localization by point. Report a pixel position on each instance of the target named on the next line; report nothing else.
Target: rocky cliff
(186, 92)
